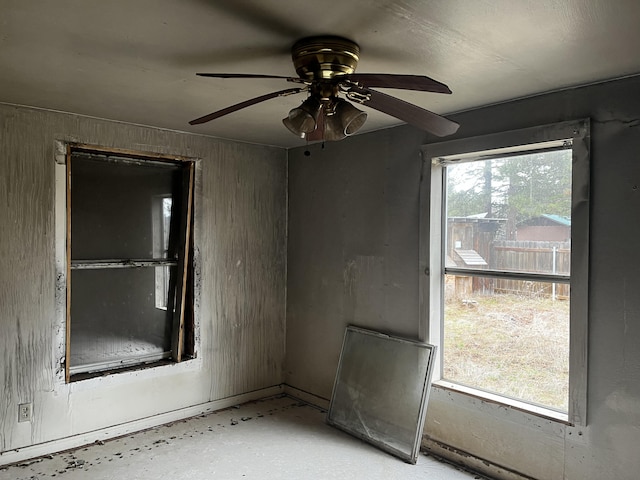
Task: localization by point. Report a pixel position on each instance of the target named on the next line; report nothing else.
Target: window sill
(537, 410)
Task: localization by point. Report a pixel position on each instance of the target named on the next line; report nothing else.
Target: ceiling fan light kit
(325, 66)
(345, 119)
(303, 119)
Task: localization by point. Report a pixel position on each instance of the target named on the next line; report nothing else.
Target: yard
(517, 346)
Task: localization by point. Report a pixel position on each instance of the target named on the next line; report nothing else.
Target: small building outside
(545, 228)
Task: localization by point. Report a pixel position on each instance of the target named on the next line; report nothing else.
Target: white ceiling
(135, 60)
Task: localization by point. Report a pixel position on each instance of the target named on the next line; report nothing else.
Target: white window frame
(433, 226)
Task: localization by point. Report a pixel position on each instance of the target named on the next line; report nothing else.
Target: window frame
(431, 257)
(183, 264)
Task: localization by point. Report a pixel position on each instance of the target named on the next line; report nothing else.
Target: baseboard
(470, 462)
(306, 397)
(75, 441)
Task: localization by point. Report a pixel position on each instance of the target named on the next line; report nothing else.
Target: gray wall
(353, 241)
(240, 238)
(353, 258)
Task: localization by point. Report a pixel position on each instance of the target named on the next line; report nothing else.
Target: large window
(507, 264)
(129, 261)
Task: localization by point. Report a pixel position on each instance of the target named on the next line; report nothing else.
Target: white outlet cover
(25, 412)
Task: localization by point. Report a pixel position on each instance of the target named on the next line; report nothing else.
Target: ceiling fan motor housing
(324, 57)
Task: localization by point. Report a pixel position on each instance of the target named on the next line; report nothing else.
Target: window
(161, 232)
(129, 261)
(506, 254)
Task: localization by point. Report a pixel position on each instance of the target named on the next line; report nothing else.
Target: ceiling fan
(325, 67)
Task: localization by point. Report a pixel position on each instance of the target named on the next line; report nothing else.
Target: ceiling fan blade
(405, 82)
(416, 116)
(246, 103)
(247, 75)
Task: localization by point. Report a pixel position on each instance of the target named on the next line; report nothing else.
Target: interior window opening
(129, 261)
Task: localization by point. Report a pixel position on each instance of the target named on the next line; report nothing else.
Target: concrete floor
(276, 438)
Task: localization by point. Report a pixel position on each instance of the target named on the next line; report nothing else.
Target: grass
(517, 346)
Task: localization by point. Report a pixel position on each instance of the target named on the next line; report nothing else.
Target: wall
(353, 258)
(352, 248)
(240, 238)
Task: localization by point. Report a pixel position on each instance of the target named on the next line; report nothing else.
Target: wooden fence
(518, 256)
(531, 256)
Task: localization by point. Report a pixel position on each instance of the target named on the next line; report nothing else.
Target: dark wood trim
(184, 241)
(177, 341)
(128, 153)
(121, 263)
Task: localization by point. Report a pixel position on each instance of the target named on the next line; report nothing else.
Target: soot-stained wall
(240, 242)
(353, 238)
(353, 259)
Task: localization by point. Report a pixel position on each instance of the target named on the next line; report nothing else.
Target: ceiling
(135, 61)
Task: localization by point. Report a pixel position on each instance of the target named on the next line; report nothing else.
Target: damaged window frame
(181, 296)
(435, 157)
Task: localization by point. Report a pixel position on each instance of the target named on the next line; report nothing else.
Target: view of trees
(514, 188)
(508, 336)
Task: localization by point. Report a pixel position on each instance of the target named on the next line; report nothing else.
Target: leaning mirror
(381, 390)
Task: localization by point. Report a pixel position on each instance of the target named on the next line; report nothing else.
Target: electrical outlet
(25, 412)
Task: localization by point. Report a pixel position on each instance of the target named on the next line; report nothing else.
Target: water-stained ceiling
(135, 61)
